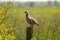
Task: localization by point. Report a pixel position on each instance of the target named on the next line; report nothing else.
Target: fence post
(29, 33)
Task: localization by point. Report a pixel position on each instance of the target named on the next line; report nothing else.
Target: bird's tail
(37, 24)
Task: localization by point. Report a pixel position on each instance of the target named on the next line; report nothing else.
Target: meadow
(50, 23)
(48, 18)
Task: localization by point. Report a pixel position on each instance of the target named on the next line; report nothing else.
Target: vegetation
(49, 17)
(13, 23)
(6, 27)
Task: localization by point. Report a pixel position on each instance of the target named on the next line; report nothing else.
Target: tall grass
(49, 16)
(50, 22)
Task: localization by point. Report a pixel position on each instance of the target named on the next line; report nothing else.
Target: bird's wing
(34, 20)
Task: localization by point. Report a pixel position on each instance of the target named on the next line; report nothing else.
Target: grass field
(50, 22)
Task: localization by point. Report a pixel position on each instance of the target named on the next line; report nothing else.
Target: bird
(30, 20)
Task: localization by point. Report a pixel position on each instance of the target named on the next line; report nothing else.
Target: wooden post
(29, 33)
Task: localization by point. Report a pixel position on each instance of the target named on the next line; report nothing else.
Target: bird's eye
(25, 12)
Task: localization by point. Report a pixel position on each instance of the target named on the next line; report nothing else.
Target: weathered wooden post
(29, 33)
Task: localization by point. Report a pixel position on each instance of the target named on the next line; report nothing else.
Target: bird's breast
(29, 20)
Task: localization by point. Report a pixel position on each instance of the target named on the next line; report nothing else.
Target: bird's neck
(27, 14)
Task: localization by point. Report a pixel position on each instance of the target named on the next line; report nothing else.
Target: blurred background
(26, 3)
(13, 23)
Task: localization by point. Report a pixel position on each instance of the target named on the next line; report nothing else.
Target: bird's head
(26, 12)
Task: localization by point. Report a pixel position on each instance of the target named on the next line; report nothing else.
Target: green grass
(50, 17)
